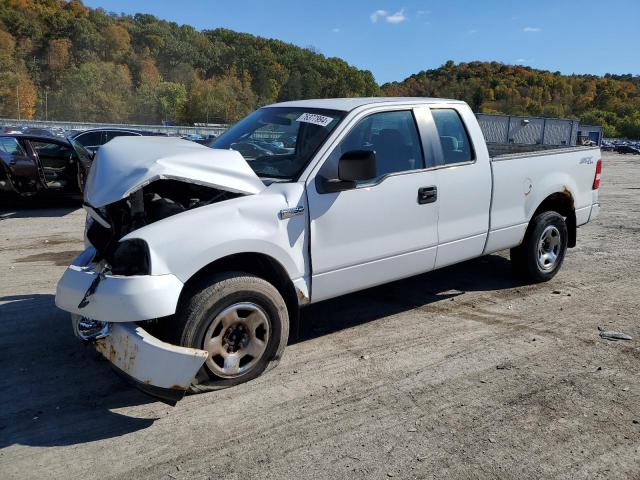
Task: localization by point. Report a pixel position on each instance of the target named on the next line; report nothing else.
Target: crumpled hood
(126, 164)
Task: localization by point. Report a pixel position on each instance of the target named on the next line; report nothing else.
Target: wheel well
(257, 264)
(561, 202)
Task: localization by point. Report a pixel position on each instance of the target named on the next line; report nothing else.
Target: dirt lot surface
(461, 373)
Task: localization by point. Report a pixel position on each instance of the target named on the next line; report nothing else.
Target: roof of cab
(348, 104)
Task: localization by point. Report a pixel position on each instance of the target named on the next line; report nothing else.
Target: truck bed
(522, 180)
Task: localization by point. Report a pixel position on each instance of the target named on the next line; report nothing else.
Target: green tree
(607, 120)
(94, 92)
(200, 103)
(171, 98)
(630, 126)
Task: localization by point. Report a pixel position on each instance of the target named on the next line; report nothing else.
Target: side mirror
(353, 166)
(357, 165)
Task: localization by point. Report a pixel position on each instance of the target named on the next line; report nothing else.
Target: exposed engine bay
(151, 203)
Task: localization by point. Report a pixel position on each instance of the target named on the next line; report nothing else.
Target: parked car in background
(208, 139)
(32, 164)
(607, 146)
(199, 258)
(628, 149)
(194, 137)
(35, 131)
(205, 140)
(258, 149)
(96, 137)
(45, 132)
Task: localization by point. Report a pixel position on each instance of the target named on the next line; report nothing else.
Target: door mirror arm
(333, 185)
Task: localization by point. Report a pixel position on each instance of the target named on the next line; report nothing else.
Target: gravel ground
(460, 373)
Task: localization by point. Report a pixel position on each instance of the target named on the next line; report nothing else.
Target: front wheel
(241, 320)
(542, 252)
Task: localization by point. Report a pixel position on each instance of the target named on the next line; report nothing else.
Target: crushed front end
(112, 292)
(118, 286)
(109, 310)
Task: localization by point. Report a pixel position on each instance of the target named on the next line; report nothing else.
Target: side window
(11, 146)
(51, 150)
(392, 135)
(90, 139)
(456, 147)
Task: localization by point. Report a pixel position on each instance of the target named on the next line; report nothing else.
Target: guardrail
(179, 130)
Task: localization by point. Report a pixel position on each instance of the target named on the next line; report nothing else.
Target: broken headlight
(131, 257)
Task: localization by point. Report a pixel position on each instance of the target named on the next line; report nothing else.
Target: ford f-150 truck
(198, 259)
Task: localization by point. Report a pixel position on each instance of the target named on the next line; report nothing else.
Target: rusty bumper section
(155, 367)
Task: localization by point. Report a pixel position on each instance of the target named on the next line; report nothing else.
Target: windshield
(278, 142)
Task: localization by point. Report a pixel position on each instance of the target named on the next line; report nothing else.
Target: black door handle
(427, 195)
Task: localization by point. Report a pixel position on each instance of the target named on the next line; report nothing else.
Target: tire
(540, 256)
(244, 321)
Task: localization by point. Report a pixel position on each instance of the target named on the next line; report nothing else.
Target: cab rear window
(456, 147)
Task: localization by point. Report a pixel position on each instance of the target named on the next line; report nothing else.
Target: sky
(394, 39)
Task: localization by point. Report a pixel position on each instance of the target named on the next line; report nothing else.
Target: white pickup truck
(198, 259)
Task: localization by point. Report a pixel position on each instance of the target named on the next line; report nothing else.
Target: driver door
(384, 229)
(22, 168)
(57, 163)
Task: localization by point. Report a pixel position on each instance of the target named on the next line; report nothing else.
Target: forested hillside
(64, 60)
(96, 66)
(612, 101)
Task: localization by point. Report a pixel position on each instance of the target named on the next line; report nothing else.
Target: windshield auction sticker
(315, 119)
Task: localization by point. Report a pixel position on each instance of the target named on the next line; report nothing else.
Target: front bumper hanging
(155, 367)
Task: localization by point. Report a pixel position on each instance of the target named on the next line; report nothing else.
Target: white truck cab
(198, 259)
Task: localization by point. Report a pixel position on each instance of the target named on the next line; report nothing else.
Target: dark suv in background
(94, 138)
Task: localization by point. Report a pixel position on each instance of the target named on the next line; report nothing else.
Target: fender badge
(291, 212)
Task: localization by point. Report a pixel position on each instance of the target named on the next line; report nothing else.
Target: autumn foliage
(70, 62)
(612, 101)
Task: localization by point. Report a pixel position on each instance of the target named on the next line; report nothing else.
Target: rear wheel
(542, 252)
(241, 320)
